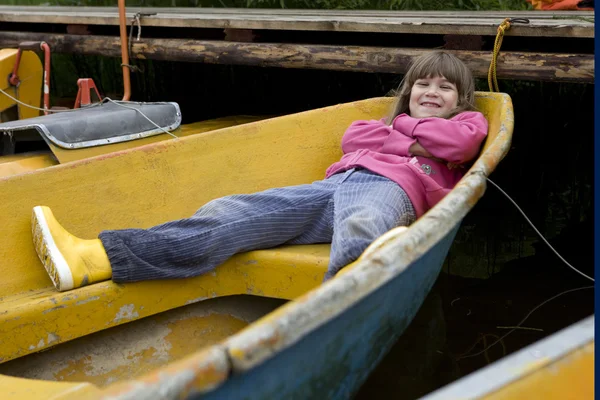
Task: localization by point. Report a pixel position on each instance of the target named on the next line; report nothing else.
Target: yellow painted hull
(22, 163)
(228, 319)
(28, 91)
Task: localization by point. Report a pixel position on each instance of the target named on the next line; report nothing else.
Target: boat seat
(31, 321)
(99, 124)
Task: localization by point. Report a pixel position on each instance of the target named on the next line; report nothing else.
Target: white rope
(141, 113)
(42, 109)
(539, 233)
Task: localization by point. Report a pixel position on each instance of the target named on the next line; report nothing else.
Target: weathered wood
(511, 65)
(580, 24)
(312, 12)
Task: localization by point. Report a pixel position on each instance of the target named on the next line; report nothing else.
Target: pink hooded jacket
(383, 149)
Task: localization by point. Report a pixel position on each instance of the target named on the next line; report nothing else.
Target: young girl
(392, 171)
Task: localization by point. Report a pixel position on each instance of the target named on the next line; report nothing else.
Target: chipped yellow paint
(30, 89)
(26, 162)
(66, 155)
(571, 377)
(134, 349)
(188, 335)
(200, 373)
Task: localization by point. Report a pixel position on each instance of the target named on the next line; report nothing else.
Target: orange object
(559, 5)
(44, 46)
(124, 51)
(83, 94)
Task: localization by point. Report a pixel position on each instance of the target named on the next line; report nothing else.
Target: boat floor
(130, 350)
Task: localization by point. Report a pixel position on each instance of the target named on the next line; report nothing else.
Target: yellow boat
(262, 325)
(15, 102)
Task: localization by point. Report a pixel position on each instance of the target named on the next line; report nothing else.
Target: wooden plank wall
(162, 37)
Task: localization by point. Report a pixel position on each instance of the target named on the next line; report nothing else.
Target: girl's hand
(417, 150)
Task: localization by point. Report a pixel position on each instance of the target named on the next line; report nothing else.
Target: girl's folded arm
(456, 140)
(369, 135)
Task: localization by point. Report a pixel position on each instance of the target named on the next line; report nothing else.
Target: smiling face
(432, 97)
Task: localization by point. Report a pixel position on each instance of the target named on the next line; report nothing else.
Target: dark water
(455, 330)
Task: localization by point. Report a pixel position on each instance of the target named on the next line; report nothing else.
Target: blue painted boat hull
(334, 360)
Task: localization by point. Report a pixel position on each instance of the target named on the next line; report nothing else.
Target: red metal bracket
(84, 97)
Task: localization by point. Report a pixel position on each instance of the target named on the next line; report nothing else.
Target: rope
(502, 28)
(104, 100)
(538, 232)
(43, 109)
(136, 21)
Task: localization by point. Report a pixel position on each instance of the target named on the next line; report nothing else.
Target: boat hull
(17, 164)
(334, 360)
(323, 342)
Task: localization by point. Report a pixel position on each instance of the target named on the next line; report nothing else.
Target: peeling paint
(93, 298)
(196, 300)
(52, 309)
(52, 338)
(126, 313)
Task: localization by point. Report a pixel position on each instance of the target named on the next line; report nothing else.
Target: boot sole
(46, 249)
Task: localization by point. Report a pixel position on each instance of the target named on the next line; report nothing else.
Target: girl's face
(432, 97)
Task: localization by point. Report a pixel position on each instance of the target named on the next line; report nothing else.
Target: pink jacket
(383, 149)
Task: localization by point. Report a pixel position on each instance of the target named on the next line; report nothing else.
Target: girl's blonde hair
(437, 64)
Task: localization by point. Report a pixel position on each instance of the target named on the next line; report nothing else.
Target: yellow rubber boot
(70, 261)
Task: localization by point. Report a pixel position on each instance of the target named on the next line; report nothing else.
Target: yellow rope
(492, 80)
(502, 28)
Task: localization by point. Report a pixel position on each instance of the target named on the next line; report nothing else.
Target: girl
(392, 171)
